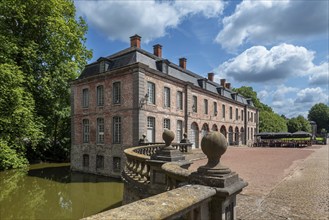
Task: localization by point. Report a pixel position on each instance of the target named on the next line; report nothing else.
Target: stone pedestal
(227, 183)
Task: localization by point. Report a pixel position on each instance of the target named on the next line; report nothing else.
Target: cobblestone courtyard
(284, 183)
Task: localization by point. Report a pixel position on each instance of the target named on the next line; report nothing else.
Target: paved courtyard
(284, 183)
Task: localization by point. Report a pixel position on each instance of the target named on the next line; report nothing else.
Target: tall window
(248, 119)
(252, 117)
(179, 130)
(236, 114)
(179, 100)
(150, 129)
(151, 92)
(116, 130)
(116, 93)
(100, 95)
(242, 113)
(116, 164)
(85, 130)
(85, 98)
(223, 110)
(205, 105)
(166, 97)
(166, 123)
(99, 162)
(100, 130)
(85, 160)
(215, 109)
(231, 112)
(195, 104)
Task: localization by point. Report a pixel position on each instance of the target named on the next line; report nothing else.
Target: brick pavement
(284, 183)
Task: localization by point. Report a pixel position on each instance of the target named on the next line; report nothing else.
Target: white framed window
(117, 93)
(85, 130)
(116, 164)
(166, 123)
(236, 114)
(252, 117)
(179, 131)
(223, 110)
(151, 92)
(100, 95)
(179, 100)
(242, 114)
(166, 97)
(100, 130)
(116, 130)
(150, 129)
(85, 160)
(215, 109)
(85, 98)
(231, 112)
(195, 104)
(205, 105)
(99, 161)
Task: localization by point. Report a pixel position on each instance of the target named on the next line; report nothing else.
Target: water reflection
(51, 191)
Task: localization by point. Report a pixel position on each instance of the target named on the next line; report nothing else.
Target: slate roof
(130, 55)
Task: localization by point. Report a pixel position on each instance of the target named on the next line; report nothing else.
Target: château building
(120, 97)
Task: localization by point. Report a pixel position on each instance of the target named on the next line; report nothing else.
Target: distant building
(119, 98)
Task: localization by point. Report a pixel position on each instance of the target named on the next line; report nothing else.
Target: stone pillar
(165, 154)
(214, 174)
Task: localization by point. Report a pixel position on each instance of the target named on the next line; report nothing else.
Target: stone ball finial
(214, 145)
(185, 135)
(168, 136)
(144, 136)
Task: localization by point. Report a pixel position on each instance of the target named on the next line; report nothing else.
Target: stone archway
(236, 136)
(223, 131)
(204, 130)
(214, 128)
(194, 135)
(230, 135)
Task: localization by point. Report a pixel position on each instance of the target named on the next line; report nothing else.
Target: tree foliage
(319, 113)
(298, 124)
(268, 120)
(42, 49)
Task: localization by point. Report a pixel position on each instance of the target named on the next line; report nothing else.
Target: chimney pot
(135, 41)
(157, 50)
(222, 82)
(211, 76)
(228, 85)
(182, 63)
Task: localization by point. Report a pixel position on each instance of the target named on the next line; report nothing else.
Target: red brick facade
(132, 69)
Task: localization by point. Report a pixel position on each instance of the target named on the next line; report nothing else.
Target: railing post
(214, 174)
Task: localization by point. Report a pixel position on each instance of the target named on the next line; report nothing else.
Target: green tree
(45, 41)
(271, 122)
(319, 113)
(268, 120)
(298, 124)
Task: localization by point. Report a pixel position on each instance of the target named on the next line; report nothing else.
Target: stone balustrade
(158, 185)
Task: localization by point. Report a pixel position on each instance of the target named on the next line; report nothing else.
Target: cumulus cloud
(320, 75)
(272, 21)
(311, 95)
(258, 64)
(150, 19)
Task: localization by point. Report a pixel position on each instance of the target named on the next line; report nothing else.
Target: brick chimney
(211, 76)
(157, 50)
(135, 41)
(228, 85)
(222, 82)
(182, 63)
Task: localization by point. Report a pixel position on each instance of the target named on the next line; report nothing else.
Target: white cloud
(320, 75)
(273, 21)
(257, 64)
(311, 96)
(149, 19)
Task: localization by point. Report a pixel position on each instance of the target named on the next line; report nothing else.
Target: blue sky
(280, 48)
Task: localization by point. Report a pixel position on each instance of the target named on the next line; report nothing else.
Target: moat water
(51, 191)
